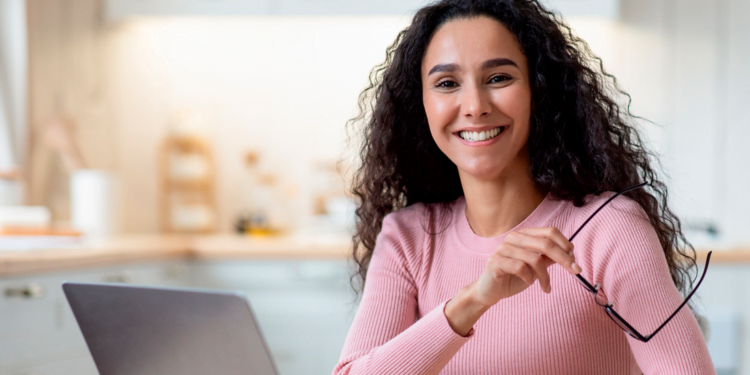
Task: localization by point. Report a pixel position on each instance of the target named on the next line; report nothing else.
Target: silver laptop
(134, 330)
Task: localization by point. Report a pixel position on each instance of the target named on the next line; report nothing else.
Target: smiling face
(477, 97)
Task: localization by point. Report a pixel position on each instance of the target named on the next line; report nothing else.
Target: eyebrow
(493, 63)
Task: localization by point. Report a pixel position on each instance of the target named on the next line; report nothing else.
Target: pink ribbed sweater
(401, 328)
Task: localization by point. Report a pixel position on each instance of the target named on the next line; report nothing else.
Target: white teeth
(481, 136)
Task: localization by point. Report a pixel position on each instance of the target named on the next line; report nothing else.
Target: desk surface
(131, 249)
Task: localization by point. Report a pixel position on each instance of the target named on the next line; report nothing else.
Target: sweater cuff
(445, 318)
(424, 348)
(442, 325)
(437, 348)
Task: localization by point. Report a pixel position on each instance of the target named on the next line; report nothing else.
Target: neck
(494, 207)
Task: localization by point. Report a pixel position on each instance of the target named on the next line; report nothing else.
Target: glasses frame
(611, 313)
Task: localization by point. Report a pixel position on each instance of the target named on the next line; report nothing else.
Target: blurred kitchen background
(202, 143)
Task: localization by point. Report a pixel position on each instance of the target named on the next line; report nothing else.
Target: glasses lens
(625, 327)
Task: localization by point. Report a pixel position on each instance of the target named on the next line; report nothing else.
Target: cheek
(515, 104)
(439, 114)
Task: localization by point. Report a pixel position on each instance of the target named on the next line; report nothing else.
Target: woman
(490, 141)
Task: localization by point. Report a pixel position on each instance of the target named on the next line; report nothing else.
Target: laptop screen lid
(135, 330)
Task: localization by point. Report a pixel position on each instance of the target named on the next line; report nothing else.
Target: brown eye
(499, 79)
(446, 84)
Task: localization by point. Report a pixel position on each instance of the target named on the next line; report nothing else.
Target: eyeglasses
(608, 306)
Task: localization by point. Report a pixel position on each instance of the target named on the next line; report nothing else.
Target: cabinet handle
(32, 290)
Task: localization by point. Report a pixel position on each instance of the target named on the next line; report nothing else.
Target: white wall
(684, 64)
(735, 157)
(286, 86)
(13, 85)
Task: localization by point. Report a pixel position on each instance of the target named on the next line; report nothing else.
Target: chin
(483, 172)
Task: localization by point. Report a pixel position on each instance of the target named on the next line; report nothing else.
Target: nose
(475, 102)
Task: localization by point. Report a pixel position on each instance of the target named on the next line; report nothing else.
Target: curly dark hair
(581, 140)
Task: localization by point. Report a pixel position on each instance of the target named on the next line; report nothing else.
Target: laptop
(137, 330)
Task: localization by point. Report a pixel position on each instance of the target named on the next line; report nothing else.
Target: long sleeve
(626, 257)
(401, 328)
(384, 337)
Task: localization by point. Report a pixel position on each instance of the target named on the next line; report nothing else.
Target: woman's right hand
(521, 259)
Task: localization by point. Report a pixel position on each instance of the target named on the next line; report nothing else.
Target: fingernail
(576, 267)
(549, 288)
(571, 253)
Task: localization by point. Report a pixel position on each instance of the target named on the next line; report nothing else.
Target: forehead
(471, 41)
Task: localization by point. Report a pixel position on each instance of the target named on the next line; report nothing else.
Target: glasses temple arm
(586, 282)
(708, 258)
(602, 206)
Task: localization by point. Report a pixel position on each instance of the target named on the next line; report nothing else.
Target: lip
(479, 129)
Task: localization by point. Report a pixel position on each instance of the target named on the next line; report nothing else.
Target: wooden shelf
(198, 191)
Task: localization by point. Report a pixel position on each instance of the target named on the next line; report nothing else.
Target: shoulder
(618, 241)
(621, 210)
(621, 223)
(401, 232)
(418, 218)
(405, 219)
(404, 232)
(621, 228)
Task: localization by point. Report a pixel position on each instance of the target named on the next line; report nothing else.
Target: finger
(550, 246)
(554, 234)
(535, 261)
(503, 265)
(538, 263)
(547, 246)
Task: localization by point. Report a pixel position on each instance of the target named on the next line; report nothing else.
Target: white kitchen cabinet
(69, 366)
(38, 332)
(725, 300)
(303, 307)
